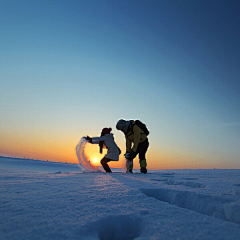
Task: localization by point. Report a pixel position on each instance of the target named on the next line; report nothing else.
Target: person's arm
(128, 145)
(96, 140)
(136, 132)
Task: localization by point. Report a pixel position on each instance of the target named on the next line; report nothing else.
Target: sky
(70, 68)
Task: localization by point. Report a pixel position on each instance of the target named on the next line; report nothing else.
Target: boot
(143, 170)
(143, 165)
(129, 166)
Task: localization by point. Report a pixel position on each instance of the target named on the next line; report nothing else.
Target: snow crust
(46, 200)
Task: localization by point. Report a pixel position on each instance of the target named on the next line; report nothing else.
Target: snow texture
(46, 200)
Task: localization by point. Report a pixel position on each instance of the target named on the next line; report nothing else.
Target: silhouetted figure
(106, 140)
(135, 133)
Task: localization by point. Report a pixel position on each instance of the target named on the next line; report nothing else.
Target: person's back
(108, 139)
(134, 135)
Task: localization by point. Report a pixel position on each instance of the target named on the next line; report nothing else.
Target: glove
(131, 155)
(89, 139)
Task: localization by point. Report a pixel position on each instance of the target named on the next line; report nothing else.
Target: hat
(121, 124)
(106, 131)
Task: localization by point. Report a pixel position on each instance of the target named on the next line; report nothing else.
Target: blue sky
(70, 68)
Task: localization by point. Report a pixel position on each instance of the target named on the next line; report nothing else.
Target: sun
(95, 161)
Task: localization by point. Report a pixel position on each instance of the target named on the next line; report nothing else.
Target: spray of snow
(125, 163)
(84, 162)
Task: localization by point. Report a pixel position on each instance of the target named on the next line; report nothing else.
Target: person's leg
(129, 165)
(104, 162)
(142, 149)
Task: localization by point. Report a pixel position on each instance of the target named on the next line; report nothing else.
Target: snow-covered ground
(46, 200)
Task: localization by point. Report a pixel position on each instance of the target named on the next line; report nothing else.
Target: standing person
(106, 140)
(135, 133)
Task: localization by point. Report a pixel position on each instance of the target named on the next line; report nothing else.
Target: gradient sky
(69, 68)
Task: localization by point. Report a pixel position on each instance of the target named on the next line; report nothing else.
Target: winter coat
(113, 152)
(134, 135)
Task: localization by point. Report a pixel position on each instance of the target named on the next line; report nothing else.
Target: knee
(103, 161)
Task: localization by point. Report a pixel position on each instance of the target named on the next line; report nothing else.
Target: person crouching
(138, 138)
(106, 140)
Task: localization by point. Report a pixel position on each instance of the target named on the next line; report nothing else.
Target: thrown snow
(46, 200)
(84, 162)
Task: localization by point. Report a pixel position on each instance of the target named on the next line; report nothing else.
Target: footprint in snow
(115, 227)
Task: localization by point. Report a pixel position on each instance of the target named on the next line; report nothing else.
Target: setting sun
(95, 161)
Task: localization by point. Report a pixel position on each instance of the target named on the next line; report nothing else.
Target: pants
(104, 162)
(142, 149)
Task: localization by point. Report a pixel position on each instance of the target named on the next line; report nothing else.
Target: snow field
(43, 200)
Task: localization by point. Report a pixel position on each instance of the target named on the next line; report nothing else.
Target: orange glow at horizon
(62, 149)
